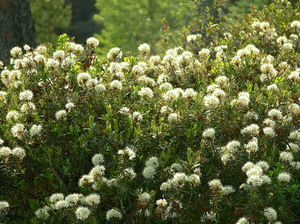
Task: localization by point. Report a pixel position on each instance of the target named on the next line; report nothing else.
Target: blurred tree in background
(51, 18)
(129, 23)
(82, 24)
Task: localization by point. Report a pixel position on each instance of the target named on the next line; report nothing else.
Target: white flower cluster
(151, 166)
(255, 174)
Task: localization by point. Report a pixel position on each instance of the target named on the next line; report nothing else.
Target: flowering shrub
(200, 134)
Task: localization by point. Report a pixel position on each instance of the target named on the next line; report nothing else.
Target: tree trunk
(16, 27)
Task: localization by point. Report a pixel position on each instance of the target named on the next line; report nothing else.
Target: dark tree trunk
(16, 27)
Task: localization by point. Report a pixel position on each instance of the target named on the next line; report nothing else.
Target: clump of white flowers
(209, 133)
(144, 49)
(92, 42)
(150, 169)
(113, 214)
(270, 214)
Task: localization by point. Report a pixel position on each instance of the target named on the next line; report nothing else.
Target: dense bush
(202, 134)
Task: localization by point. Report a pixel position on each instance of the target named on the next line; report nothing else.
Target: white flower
(83, 78)
(165, 86)
(284, 177)
(294, 76)
(255, 180)
(5, 151)
(192, 37)
(222, 80)
(155, 60)
(69, 106)
(16, 52)
(204, 54)
(293, 147)
(144, 48)
(42, 213)
(113, 214)
(270, 214)
(166, 109)
(193, 179)
(26, 95)
(189, 93)
(179, 179)
(272, 87)
(82, 213)
(295, 135)
(208, 216)
(100, 88)
(263, 164)
(97, 159)
(59, 55)
(146, 92)
(295, 25)
(56, 197)
(165, 186)
(275, 114)
(116, 85)
(247, 166)
(152, 161)
(227, 190)
(209, 133)
(233, 146)
(242, 220)
(286, 156)
(252, 145)
(145, 198)
(61, 204)
(129, 173)
(161, 202)
(93, 42)
(52, 63)
(73, 199)
(92, 199)
(269, 122)
(27, 107)
(173, 117)
(137, 70)
(137, 115)
(1, 141)
(281, 40)
(12, 115)
(18, 130)
(114, 53)
(264, 25)
(252, 129)
(149, 172)
(287, 46)
(61, 114)
(211, 101)
(269, 132)
(294, 108)
(97, 172)
(124, 111)
(215, 184)
(171, 95)
(130, 153)
(85, 180)
(91, 83)
(266, 179)
(18, 152)
(35, 130)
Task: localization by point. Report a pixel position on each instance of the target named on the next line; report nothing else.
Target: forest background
(128, 23)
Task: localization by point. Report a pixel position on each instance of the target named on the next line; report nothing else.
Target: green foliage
(50, 18)
(206, 133)
(130, 23)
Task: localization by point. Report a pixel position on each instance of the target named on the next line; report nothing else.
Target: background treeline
(128, 23)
